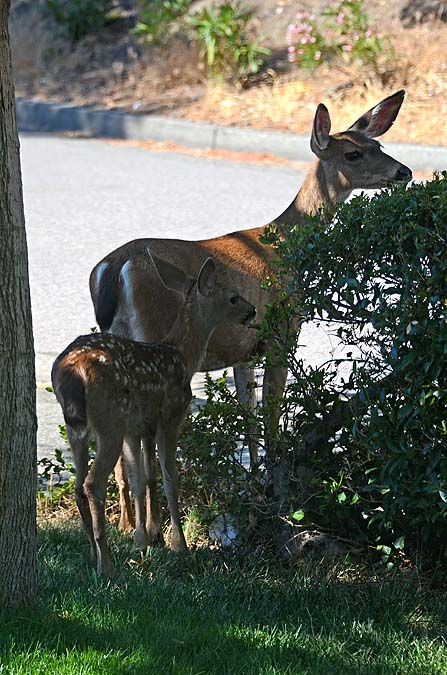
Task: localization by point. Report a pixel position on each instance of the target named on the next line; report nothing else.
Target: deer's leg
(95, 485)
(167, 449)
(153, 526)
(79, 442)
(127, 521)
(134, 465)
(272, 390)
(244, 380)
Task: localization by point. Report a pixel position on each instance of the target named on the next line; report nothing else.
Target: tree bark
(17, 377)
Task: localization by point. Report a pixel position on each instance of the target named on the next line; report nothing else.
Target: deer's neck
(190, 334)
(323, 186)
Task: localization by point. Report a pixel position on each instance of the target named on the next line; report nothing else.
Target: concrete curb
(41, 116)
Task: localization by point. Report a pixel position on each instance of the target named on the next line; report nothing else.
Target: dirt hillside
(113, 68)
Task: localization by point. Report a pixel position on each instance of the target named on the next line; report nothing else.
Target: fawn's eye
(353, 156)
(234, 299)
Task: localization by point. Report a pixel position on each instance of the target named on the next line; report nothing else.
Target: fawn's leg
(167, 449)
(127, 521)
(134, 464)
(108, 450)
(79, 442)
(153, 527)
(244, 380)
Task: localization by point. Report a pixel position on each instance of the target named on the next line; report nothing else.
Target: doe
(129, 301)
(114, 389)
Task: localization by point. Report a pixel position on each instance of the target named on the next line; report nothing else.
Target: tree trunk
(17, 377)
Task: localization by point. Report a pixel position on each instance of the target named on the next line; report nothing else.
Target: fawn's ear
(379, 119)
(319, 140)
(207, 277)
(171, 276)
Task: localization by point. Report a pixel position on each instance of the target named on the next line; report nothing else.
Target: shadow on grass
(213, 612)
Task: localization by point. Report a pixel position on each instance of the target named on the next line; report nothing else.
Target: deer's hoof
(140, 540)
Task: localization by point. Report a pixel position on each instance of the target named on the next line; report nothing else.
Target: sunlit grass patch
(217, 612)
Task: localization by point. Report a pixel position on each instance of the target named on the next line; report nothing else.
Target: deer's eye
(234, 299)
(353, 156)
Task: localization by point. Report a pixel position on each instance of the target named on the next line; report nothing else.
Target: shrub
(156, 18)
(378, 275)
(363, 438)
(214, 479)
(307, 45)
(224, 41)
(79, 17)
(345, 32)
(350, 34)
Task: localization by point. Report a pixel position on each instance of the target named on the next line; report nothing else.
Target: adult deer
(116, 389)
(130, 301)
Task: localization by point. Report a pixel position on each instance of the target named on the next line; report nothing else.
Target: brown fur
(116, 389)
(130, 301)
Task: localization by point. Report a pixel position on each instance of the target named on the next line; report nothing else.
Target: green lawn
(214, 612)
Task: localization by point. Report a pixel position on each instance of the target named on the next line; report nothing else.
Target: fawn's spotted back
(122, 373)
(115, 389)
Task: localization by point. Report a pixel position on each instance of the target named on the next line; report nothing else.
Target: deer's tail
(69, 389)
(104, 293)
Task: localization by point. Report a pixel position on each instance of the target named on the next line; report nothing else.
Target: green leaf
(298, 515)
(399, 543)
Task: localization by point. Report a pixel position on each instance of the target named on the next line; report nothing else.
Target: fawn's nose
(403, 174)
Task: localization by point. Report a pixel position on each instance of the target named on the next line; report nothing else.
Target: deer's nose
(403, 174)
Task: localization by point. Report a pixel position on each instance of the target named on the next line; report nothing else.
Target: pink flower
(340, 18)
(313, 39)
(300, 52)
(347, 48)
(368, 33)
(291, 49)
(304, 40)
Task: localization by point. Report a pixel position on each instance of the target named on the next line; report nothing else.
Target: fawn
(114, 389)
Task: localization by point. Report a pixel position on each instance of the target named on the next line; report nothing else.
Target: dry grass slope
(112, 69)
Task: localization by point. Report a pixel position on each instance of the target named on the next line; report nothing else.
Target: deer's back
(126, 384)
(144, 309)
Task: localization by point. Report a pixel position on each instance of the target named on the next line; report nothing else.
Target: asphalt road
(83, 198)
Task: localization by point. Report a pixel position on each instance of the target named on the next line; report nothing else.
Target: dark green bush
(214, 479)
(79, 17)
(363, 447)
(378, 275)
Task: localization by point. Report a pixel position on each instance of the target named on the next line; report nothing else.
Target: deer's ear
(171, 276)
(207, 277)
(379, 119)
(320, 131)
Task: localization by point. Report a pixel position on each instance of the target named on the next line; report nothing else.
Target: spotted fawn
(117, 390)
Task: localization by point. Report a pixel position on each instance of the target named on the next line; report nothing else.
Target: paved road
(85, 197)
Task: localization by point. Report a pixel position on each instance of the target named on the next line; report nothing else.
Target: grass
(211, 612)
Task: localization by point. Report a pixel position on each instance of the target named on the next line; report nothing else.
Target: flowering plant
(306, 43)
(352, 36)
(345, 31)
